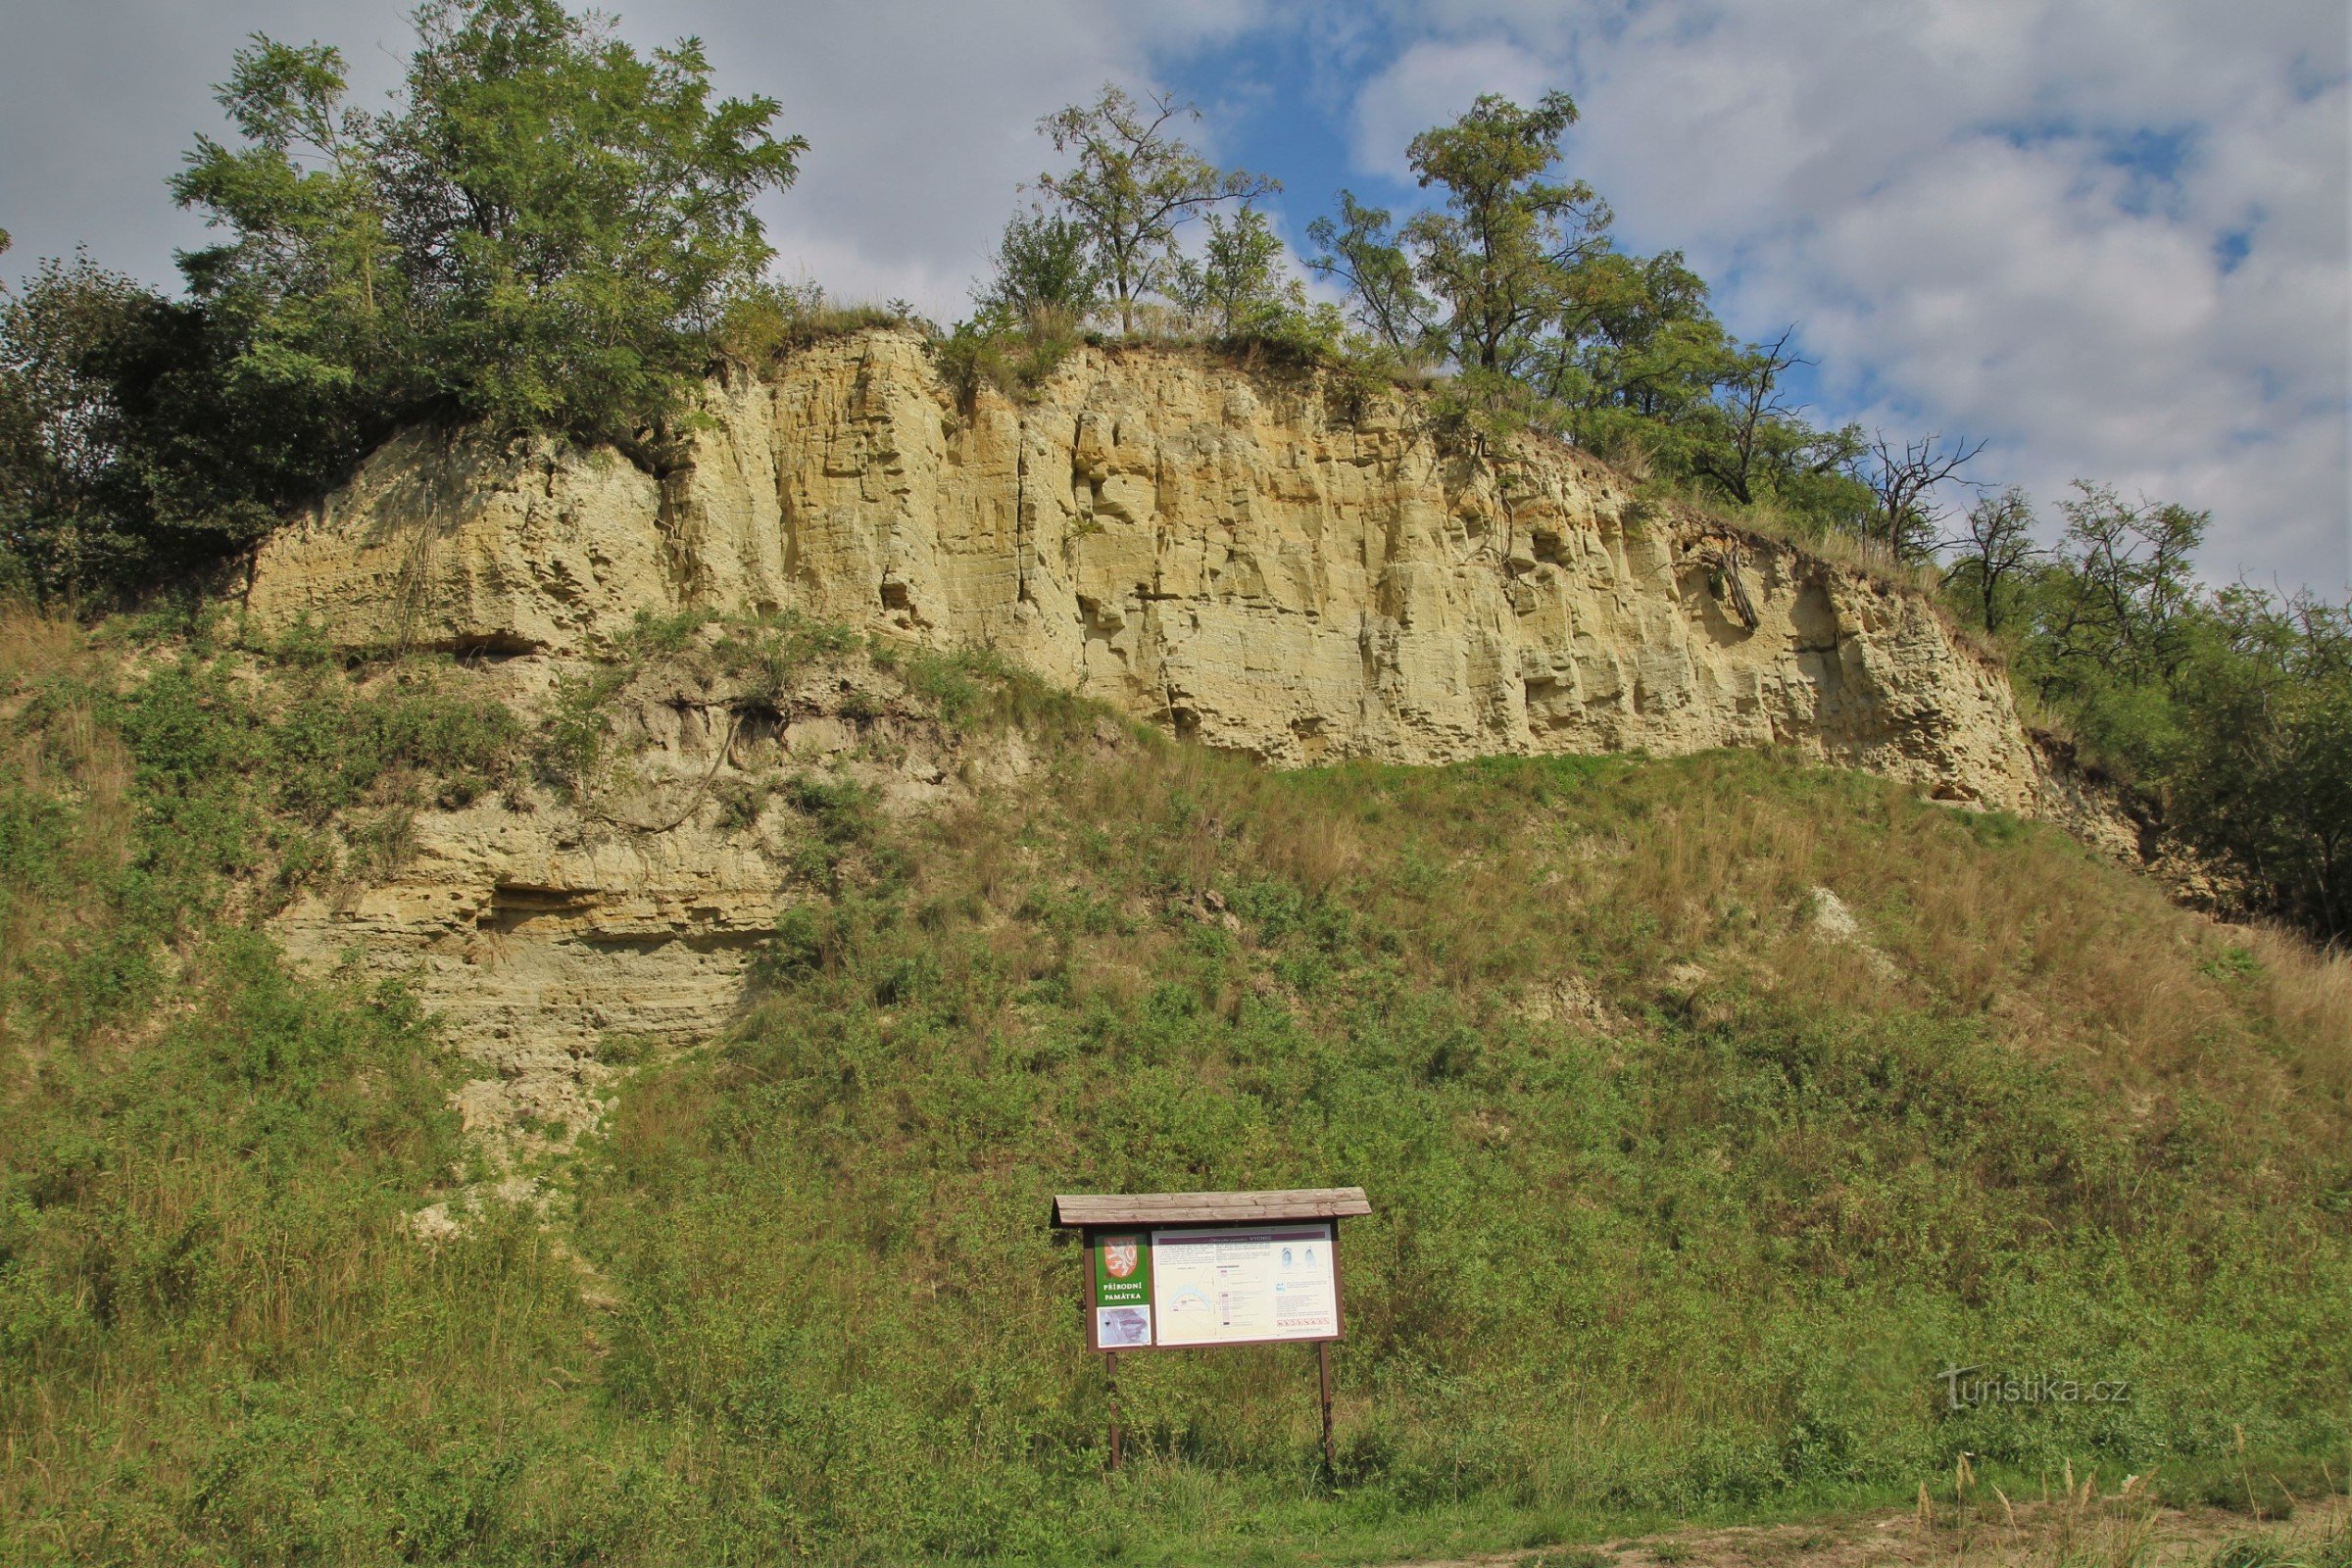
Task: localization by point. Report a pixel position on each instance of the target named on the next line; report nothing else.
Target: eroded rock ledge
(1217, 550)
(559, 932)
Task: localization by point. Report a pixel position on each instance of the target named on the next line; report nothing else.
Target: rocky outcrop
(1235, 553)
(559, 933)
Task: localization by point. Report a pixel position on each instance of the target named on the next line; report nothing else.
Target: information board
(1237, 1284)
(1244, 1286)
(1185, 1270)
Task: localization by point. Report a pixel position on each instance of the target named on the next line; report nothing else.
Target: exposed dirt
(2118, 1533)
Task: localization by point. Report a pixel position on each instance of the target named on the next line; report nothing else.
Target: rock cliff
(560, 931)
(1237, 553)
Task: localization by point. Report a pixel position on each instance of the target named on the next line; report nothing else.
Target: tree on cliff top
(538, 232)
(1133, 184)
(1483, 279)
(1045, 265)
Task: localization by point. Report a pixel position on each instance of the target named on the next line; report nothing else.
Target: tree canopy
(1132, 183)
(1516, 282)
(540, 231)
(536, 233)
(1502, 258)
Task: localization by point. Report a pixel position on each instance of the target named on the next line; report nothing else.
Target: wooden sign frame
(1159, 1219)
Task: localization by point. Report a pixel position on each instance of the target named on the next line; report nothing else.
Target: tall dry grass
(66, 753)
(2310, 994)
(37, 642)
(1869, 557)
(1505, 874)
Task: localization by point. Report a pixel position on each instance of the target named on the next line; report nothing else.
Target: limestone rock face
(1230, 553)
(550, 928)
(537, 942)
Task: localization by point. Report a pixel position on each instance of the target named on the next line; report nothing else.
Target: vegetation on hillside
(1711, 1109)
(2229, 711)
(1686, 1192)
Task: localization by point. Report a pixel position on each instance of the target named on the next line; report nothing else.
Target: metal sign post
(1170, 1271)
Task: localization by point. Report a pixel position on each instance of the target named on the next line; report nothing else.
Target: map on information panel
(1240, 1286)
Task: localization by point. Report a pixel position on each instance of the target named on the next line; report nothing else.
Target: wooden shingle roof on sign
(1209, 1208)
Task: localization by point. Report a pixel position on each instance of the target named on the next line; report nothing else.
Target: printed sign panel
(1122, 1264)
(1243, 1286)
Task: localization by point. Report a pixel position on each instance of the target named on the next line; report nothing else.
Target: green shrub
(1015, 361)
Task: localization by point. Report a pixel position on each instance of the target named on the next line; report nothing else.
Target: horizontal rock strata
(1237, 553)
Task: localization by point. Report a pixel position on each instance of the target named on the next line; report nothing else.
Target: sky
(2110, 238)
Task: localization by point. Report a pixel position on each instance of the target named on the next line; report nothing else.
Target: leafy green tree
(1638, 357)
(1515, 280)
(539, 232)
(1992, 554)
(2104, 625)
(1237, 283)
(2229, 712)
(1487, 280)
(1499, 258)
(155, 436)
(1044, 283)
(1133, 184)
(2112, 614)
(2135, 568)
(68, 523)
(1044, 264)
(307, 290)
(1360, 249)
(1627, 332)
(1239, 287)
(542, 230)
(1748, 443)
(574, 215)
(2261, 775)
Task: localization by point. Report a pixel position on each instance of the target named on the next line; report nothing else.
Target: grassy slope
(1681, 1204)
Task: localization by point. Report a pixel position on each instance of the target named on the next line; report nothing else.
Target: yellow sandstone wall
(1217, 548)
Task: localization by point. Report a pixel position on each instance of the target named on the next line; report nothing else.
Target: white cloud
(921, 118)
(99, 99)
(1431, 82)
(2008, 216)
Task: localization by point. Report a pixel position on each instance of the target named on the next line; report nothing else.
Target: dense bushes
(2228, 713)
